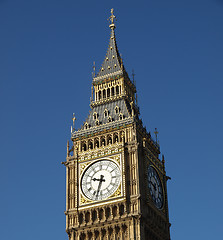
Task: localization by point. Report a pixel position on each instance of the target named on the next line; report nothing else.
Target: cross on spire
(112, 19)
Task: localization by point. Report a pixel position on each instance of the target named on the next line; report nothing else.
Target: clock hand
(99, 185)
(100, 179)
(154, 186)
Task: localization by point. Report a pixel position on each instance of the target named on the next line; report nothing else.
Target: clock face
(155, 187)
(100, 180)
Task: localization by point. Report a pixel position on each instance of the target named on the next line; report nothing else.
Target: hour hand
(101, 179)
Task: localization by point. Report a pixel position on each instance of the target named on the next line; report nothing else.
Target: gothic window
(95, 116)
(121, 209)
(97, 122)
(96, 143)
(87, 217)
(101, 214)
(112, 91)
(121, 116)
(116, 110)
(103, 141)
(115, 138)
(108, 92)
(109, 140)
(109, 119)
(86, 126)
(81, 218)
(108, 212)
(83, 146)
(105, 112)
(117, 90)
(104, 93)
(99, 95)
(94, 215)
(114, 211)
(90, 145)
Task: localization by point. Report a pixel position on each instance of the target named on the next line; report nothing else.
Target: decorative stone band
(108, 76)
(97, 129)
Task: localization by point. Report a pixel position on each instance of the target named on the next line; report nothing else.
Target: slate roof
(112, 65)
(98, 113)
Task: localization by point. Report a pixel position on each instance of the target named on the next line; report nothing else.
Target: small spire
(68, 146)
(112, 65)
(112, 18)
(136, 99)
(133, 76)
(93, 73)
(163, 160)
(132, 108)
(156, 133)
(121, 61)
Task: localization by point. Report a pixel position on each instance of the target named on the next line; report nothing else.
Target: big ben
(116, 183)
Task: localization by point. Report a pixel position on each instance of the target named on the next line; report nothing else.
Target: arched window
(97, 122)
(86, 126)
(116, 110)
(109, 119)
(103, 141)
(99, 95)
(108, 92)
(83, 146)
(117, 90)
(105, 112)
(96, 143)
(112, 91)
(104, 93)
(95, 116)
(109, 140)
(116, 138)
(90, 145)
(121, 116)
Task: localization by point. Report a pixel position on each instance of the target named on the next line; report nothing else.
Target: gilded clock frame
(119, 194)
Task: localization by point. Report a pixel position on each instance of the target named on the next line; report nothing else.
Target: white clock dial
(100, 180)
(155, 187)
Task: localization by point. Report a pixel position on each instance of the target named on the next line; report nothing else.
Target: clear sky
(47, 49)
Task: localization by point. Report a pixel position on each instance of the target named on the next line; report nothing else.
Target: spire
(112, 65)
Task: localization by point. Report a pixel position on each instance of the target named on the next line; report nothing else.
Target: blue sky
(47, 49)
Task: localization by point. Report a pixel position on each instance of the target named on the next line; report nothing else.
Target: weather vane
(156, 133)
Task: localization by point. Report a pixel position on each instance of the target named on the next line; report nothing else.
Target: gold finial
(93, 74)
(73, 119)
(112, 18)
(136, 99)
(121, 61)
(156, 133)
(133, 75)
(163, 160)
(68, 146)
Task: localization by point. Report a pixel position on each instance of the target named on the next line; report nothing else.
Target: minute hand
(99, 185)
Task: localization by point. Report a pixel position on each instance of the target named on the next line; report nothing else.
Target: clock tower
(115, 180)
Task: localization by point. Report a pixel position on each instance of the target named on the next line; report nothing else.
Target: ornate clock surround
(118, 195)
